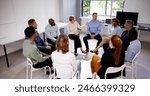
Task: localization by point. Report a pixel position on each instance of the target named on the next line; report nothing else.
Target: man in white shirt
(52, 32)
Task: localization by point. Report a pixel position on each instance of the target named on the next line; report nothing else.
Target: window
(102, 7)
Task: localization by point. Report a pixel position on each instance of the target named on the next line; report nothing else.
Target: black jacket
(107, 60)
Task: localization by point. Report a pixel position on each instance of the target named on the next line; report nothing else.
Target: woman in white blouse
(72, 29)
(115, 29)
(63, 60)
(52, 32)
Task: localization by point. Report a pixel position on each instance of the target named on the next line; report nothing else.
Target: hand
(48, 47)
(92, 36)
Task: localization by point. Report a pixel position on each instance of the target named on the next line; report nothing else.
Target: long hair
(62, 43)
(117, 43)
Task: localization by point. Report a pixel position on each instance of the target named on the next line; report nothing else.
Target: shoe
(86, 51)
(83, 51)
(89, 78)
(96, 52)
(76, 54)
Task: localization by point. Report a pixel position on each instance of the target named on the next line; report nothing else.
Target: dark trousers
(45, 50)
(47, 62)
(53, 43)
(97, 37)
(77, 42)
(105, 46)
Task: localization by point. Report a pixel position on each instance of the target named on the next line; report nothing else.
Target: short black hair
(29, 31)
(30, 21)
(132, 35)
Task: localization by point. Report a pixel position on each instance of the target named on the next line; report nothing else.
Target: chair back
(63, 71)
(133, 60)
(114, 70)
(29, 61)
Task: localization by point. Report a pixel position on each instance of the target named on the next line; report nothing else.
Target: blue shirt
(94, 26)
(133, 49)
(39, 42)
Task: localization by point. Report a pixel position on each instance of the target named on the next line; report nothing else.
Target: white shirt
(65, 64)
(115, 31)
(133, 49)
(52, 31)
(72, 28)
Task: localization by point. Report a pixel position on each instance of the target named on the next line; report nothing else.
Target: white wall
(67, 8)
(141, 6)
(14, 15)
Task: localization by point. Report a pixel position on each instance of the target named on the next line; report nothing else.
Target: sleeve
(79, 27)
(104, 59)
(99, 28)
(37, 56)
(107, 59)
(68, 29)
(129, 54)
(88, 28)
(119, 31)
(40, 43)
(47, 31)
(41, 47)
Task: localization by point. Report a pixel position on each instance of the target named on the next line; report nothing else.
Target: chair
(65, 74)
(114, 70)
(30, 65)
(71, 45)
(131, 65)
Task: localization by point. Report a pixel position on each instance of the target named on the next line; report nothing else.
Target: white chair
(64, 74)
(30, 65)
(114, 70)
(131, 65)
(71, 45)
(86, 69)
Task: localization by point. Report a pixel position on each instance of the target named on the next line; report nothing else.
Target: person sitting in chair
(134, 46)
(52, 33)
(93, 31)
(38, 41)
(111, 57)
(31, 51)
(115, 29)
(72, 29)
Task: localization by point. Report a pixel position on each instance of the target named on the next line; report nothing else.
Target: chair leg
(31, 73)
(27, 72)
(133, 72)
(121, 74)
